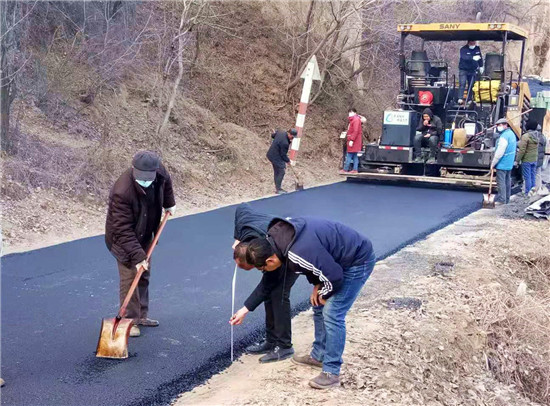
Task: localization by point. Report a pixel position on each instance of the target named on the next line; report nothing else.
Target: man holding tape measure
(337, 260)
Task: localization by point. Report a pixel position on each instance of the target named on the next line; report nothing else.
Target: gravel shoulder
(447, 351)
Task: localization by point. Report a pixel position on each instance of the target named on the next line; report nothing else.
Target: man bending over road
(135, 208)
(273, 290)
(278, 156)
(337, 260)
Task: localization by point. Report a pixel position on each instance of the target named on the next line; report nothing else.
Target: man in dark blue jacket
(273, 289)
(470, 61)
(337, 260)
(277, 155)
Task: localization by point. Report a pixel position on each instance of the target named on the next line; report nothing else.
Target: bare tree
(191, 11)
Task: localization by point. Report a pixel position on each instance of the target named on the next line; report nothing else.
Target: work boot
(460, 101)
(148, 322)
(418, 160)
(431, 160)
(354, 171)
(134, 331)
(307, 360)
(325, 380)
(281, 192)
(342, 171)
(260, 348)
(278, 354)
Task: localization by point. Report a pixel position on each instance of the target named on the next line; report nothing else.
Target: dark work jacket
(250, 224)
(542, 147)
(434, 127)
(322, 250)
(126, 224)
(466, 59)
(277, 153)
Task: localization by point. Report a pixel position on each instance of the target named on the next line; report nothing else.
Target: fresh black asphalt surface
(53, 299)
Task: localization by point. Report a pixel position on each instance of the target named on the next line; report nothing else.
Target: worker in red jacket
(354, 139)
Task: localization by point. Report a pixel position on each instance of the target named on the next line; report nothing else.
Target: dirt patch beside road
(476, 339)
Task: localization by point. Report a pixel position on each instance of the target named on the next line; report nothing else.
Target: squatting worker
(273, 289)
(278, 155)
(503, 160)
(428, 133)
(135, 209)
(470, 61)
(337, 260)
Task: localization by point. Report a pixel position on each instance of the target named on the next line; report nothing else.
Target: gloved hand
(476, 58)
(171, 210)
(481, 70)
(143, 264)
(350, 144)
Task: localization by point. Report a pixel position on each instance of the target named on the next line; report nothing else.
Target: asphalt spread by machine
(53, 299)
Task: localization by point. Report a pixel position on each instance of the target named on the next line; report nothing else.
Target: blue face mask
(144, 183)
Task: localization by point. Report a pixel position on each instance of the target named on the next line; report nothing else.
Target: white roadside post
(310, 73)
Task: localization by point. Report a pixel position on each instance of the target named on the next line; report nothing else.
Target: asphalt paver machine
(495, 94)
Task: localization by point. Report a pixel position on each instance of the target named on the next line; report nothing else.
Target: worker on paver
(503, 160)
(135, 209)
(354, 140)
(337, 260)
(428, 132)
(278, 155)
(470, 61)
(273, 289)
(528, 151)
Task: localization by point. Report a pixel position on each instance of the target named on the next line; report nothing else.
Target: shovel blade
(488, 201)
(114, 346)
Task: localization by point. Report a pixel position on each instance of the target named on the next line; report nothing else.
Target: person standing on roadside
(528, 148)
(354, 140)
(503, 160)
(540, 157)
(278, 156)
(135, 208)
(273, 289)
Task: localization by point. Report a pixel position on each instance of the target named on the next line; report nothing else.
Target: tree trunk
(5, 84)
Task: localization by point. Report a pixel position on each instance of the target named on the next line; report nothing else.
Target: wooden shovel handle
(141, 269)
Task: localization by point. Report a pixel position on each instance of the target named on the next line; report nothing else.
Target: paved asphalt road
(53, 299)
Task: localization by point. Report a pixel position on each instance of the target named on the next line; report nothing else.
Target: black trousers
(279, 174)
(421, 141)
(277, 313)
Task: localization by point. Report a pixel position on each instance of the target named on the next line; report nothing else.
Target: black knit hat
(531, 124)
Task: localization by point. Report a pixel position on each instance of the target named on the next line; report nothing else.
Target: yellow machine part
(486, 91)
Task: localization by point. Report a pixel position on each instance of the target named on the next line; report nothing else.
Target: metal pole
(521, 62)
(503, 56)
(402, 59)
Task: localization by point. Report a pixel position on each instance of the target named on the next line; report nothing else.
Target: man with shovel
(135, 209)
(273, 290)
(278, 156)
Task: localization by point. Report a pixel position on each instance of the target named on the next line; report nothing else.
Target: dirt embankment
(421, 334)
(67, 152)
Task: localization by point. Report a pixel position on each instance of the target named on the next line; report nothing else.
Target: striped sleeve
(332, 276)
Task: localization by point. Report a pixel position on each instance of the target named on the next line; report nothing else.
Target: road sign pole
(310, 73)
